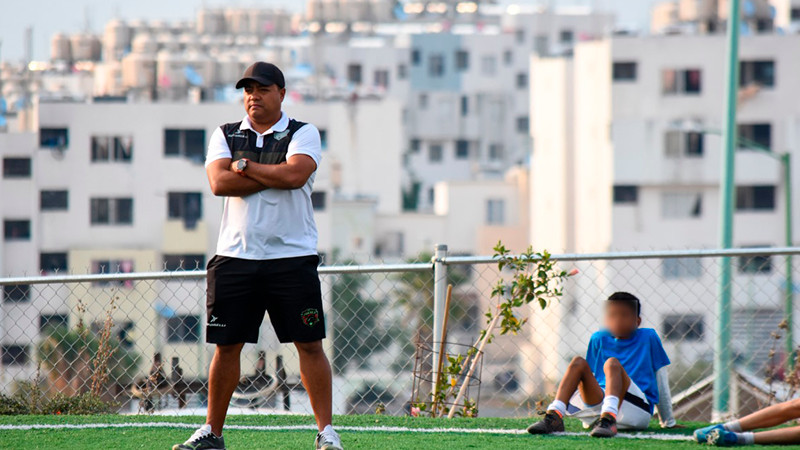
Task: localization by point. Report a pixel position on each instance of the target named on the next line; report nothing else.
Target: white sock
(610, 405)
(746, 438)
(559, 407)
(733, 425)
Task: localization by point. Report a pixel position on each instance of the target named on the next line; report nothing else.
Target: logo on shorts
(212, 322)
(310, 317)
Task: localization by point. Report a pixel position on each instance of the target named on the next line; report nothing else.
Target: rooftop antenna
(28, 44)
(87, 22)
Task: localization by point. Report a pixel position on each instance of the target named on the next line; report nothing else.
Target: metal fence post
(439, 293)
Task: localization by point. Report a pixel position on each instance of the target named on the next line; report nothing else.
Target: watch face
(241, 164)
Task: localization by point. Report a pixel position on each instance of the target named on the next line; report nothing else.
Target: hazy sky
(51, 16)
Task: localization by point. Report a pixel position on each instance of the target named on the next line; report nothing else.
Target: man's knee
(578, 363)
(612, 365)
(793, 407)
(310, 348)
(229, 351)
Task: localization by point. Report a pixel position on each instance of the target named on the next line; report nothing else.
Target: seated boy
(623, 376)
(739, 432)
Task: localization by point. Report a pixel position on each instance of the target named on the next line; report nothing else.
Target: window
(794, 13)
(435, 153)
(759, 133)
(185, 206)
(112, 148)
(17, 230)
(323, 138)
(15, 355)
(354, 73)
(416, 57)
(123, 332)
(382, 78)
(464, 105)
(495, 212)
(522, 80)
(318, 200)
(54, 138)
(184, 328)
(423, 101)
(508, 57)
(173, 262)
(415, 145)
(681, 205)
(623, 71)
(462, 149)
(626, 195)
(117, 266)
(519, 35)
(761, 73)
(523, 124)
(53, 200)
(674, 268)
(759, 264)
(679, 143)
(111, 211)
(495, 152)
(755, 198)
(51, 321)
(566, 36)
(489, 65)
(541, 45)
(16, 167)
(462, 60)
(681, 81)
(684, 327)
(53, 262)
(189, 143)
(15, 293)
(402, 72)
(436, 65)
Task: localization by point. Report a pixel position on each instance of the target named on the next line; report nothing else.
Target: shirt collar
(279, 126)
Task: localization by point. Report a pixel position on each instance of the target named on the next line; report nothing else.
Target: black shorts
(241, 290)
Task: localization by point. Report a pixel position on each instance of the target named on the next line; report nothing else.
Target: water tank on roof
(116, 40)
(85, 47)
(237, 21)
(202, 69)
(144, 43)
(169, 70)
(60, 48)
(229, 68)
(139, 70)
(210, 21)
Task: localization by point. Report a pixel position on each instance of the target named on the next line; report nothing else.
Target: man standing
(266, 256)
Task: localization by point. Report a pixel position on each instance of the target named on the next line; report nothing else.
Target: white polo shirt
(273, 223)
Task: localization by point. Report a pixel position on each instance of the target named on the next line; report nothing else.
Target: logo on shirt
(280, 135)
(310, 317)
(239, 134)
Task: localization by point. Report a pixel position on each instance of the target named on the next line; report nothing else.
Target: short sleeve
(217, 147)
(593, 352)
(306, 141)
(657, 352)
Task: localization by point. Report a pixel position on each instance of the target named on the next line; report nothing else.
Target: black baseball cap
(264, 73)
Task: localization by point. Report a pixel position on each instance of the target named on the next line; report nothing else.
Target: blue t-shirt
(641, 356)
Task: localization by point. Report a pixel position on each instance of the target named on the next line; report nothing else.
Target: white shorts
(634, 410)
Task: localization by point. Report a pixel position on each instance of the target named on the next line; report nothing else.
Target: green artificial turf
(163, 438)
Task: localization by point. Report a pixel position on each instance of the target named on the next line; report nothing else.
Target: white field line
(88, 426)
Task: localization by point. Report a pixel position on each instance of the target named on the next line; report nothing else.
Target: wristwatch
(241, 165)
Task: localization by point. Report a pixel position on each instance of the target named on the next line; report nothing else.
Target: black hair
(629, 299)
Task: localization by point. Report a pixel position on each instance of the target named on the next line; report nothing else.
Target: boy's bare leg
(617, 380)
(579, 377)
(771, 416)
(781, 436)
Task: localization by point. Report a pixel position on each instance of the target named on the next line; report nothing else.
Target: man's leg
(223, 377)
(315, 372)
(781, 436)
(767, 417)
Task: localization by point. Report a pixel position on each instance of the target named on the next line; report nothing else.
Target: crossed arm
(227, 181)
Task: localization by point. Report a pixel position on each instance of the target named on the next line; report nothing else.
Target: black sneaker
(604, 427)
(202, 439)
(551, 423)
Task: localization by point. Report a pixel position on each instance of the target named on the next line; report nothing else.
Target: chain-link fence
(149, 327)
